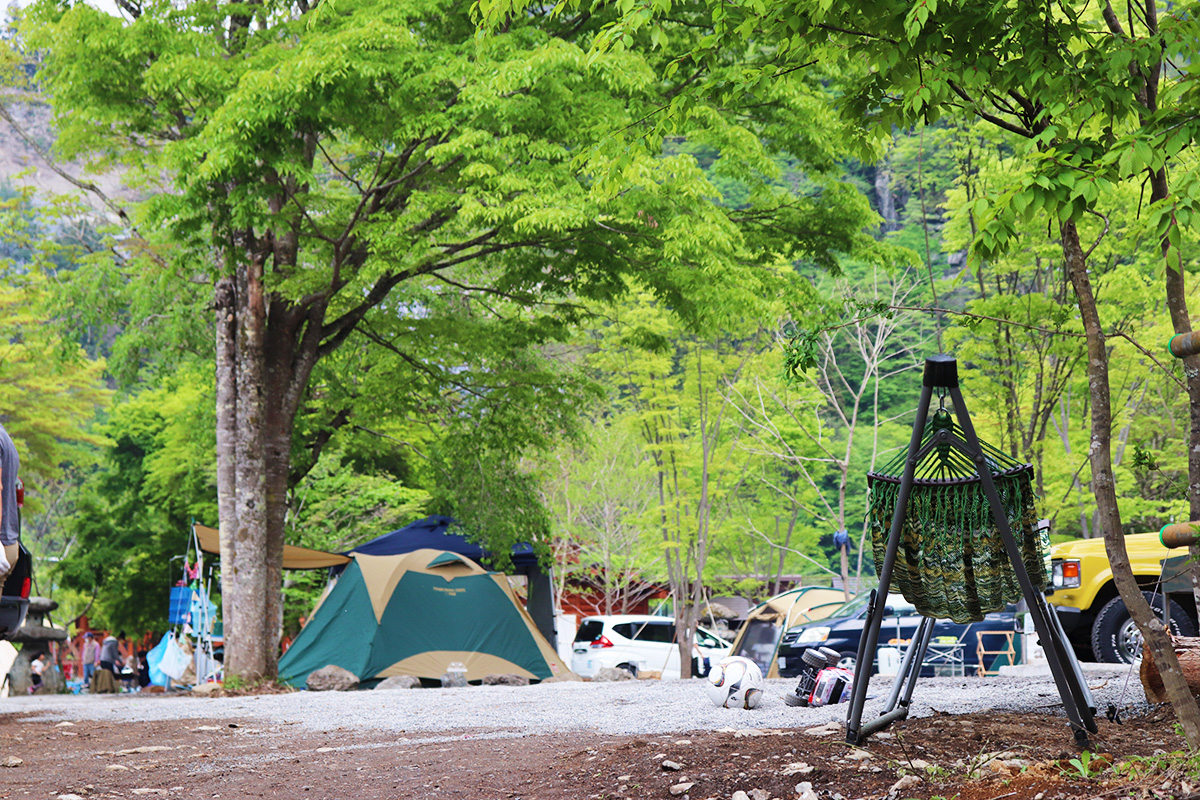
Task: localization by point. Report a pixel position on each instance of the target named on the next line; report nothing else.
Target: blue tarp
(181, 605)
(154, 660)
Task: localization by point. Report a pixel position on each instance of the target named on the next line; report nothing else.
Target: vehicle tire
(1116, 639)
(848, 661)
(630, 668)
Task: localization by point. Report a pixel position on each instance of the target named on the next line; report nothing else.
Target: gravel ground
(607, 709)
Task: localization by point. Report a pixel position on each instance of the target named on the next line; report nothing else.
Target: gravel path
(621, 708)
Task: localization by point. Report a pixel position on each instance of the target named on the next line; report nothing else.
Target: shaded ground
(971, 757)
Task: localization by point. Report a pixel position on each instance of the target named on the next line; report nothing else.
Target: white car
(640, 643)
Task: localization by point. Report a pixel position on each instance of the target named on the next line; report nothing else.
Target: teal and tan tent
(415, 614)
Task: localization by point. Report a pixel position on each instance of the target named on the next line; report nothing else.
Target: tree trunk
(844, 557)
(1187, 651)
(1153, 631)
(226, 401)
(265, 355)
(1177, 305)
(247, 598)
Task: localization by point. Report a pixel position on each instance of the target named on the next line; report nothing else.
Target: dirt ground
(970, 757)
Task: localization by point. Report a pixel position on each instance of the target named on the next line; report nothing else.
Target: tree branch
(992, 118)
(86, 186)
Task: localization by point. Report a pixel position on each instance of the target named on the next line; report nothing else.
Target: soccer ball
(735, 682)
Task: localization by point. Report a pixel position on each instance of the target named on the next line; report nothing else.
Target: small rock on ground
(905, 783)
(332, 678)
(563, 678)
(828, 729)
(797, 768)
(454, 680)
(507, 679)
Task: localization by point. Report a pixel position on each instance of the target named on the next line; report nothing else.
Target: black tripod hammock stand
(953, 560)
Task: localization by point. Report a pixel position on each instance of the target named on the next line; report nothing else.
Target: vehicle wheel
(1116, 639)
(848, 661)
(630, 668)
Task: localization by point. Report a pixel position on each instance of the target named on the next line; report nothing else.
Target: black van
(955, 648)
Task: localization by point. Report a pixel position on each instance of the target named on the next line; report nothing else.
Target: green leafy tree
(674, 401)
(598, 493)
(50, 388)
(131, 523)
(819, 431)
(351, 495)
(318, 166)
(1091, 95)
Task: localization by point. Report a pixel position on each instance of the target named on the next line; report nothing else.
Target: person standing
(10, 521)
(90, 656)
(110, 654)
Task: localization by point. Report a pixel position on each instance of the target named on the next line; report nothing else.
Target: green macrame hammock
(951, 561)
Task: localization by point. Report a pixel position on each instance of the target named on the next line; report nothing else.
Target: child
(36, 667)
(143, 676)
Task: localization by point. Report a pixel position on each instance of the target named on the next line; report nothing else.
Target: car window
(589, 631)
(707, 640)
(654, 632)
(851, 607)
(624, 629)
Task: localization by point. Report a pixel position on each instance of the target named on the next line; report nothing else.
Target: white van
(640, 643)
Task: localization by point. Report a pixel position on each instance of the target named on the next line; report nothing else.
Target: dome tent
(760, 635)
(434, 532)
(438, 532)
(415, 614)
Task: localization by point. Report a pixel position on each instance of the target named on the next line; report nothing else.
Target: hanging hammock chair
(951, 561)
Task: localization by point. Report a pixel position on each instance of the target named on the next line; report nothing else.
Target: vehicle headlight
(1064, 574)
(817, 634)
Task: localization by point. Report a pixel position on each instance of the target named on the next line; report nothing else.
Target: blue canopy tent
(433, 533)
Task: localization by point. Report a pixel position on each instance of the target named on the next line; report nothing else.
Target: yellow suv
(1091, 611)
